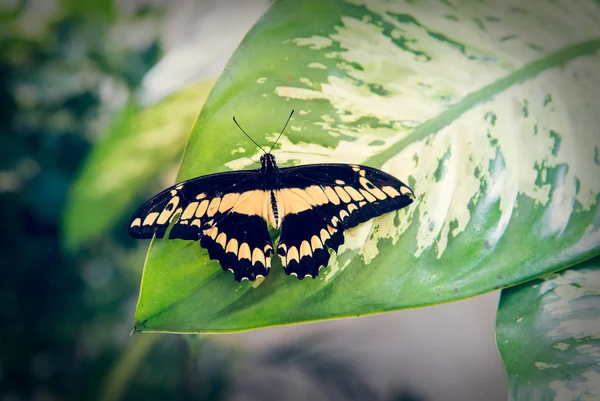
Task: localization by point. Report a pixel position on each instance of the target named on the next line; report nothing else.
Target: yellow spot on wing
(339, 182)
(258, 256)
(367, 195)
(305, 249)
(390, 191)
(354, 193)
(292, 201)
(301, 193)
(315, 242)
(212, 232)
(232, 246)
(332, 196)
(343, 214)
(317, 194)
(324, 235)
(222, 240)
(150, 219)
(213, 207)
(202, 208)
(168, 210)
(228, 201)
(253, 203)
(368, 185)
(195, 222)
(405, 190)
(352, 207)
(378, 193)
(244, 252)
(137, 222)
(293, 254)
(189, 210)
(201, 196)
(343, 194)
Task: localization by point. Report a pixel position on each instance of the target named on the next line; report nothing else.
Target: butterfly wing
(226, 212)
(241, 243)
(318, 202)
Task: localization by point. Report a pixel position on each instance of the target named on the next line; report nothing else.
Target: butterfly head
(267, 161)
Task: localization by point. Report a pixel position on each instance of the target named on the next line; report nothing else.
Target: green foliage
(548, 334)
(497, 142)
(64, 314)
(141, 144)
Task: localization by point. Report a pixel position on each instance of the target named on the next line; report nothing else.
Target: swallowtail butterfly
(311, 205)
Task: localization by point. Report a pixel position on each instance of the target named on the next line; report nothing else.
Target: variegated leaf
(548, 334)
(488, 110)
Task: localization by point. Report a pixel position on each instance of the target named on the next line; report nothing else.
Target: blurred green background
(68, 69)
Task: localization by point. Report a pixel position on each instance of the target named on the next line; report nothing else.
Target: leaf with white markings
(486, 110)
(548, 334)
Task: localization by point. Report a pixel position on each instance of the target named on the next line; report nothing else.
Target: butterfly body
(311, 205)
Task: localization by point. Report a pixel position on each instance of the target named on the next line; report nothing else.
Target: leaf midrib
(456, 110)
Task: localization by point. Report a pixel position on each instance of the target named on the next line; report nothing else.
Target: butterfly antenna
(286, 123)
(241, 129)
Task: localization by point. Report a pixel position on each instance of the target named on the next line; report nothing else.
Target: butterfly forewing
(191, 205)
(226, 212)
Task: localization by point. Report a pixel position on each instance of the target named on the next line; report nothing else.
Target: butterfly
(311, 205)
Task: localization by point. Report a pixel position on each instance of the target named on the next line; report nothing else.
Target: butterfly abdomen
(275, 210)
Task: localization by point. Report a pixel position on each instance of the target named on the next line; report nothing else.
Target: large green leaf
(142, 143)
(487, 109)
(548, 334)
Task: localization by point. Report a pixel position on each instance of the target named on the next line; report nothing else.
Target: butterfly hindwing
(304, 243)
(318, 202)
(241, 243)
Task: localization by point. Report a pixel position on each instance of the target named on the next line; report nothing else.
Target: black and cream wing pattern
(319, 202)
(223, 211)
(311, 205)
